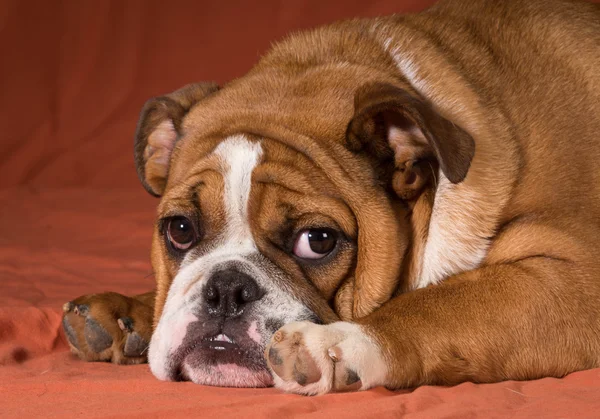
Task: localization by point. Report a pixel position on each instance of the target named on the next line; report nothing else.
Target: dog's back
(543, 59)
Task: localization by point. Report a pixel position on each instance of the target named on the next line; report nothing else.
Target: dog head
(283, 198)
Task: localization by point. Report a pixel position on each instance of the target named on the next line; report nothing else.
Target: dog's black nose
(227, 292)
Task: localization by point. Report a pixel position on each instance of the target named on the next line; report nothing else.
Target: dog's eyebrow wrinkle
(192, 186)
(302, 149)
(280, 185)
(294, 179)
(196, 198)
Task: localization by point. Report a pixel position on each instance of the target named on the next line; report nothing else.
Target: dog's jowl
(396, 201)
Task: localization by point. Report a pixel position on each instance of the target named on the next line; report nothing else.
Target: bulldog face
(248, 250)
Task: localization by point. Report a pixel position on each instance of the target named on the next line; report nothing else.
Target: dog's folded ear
(390, 123)
(159, 128)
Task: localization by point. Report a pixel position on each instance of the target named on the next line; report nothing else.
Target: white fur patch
(410, 70)
(239, 158)
(451, 246)
(406, 65)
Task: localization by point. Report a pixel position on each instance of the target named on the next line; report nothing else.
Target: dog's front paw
(307, 358)
(108, 327)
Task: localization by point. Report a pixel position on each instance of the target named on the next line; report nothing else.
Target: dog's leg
(110, 327)
(527, 319)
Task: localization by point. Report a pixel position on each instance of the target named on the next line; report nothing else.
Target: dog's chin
(226, 365)
(226, 375)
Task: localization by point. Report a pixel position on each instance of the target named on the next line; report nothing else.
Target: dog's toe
(81, 309)
(135, 344)
(298, 362)
(345, 378)
(125, 324)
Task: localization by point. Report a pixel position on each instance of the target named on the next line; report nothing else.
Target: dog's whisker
(149, 275)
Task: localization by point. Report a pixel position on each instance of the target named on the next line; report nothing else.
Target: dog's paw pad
(274, 359)
(70, 332)
(299, 364)
(96, 337)
(351, 377)
(135, 345)
(305, 370)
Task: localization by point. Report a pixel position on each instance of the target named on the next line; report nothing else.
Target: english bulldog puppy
(392, 202)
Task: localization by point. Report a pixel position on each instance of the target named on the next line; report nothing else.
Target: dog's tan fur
(475, 215)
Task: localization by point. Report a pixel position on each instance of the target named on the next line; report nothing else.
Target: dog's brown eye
(181, 233)
(315, 243)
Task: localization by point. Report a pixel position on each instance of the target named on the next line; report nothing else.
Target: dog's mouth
(222, 347)
(230, 356)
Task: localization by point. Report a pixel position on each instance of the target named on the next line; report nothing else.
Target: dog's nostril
(239, 297)
(249, 294)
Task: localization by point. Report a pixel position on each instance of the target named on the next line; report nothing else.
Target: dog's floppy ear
(159, 128)
(390, 123)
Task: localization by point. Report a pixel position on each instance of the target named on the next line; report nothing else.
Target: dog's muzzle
(214, 328)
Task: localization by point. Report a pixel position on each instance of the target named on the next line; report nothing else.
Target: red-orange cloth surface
(73, 219)
(60, 243)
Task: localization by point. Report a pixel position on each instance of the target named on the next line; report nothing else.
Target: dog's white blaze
(239, 158)
(451, 247)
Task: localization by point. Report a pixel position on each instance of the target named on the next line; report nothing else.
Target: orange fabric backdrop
(73, 219)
